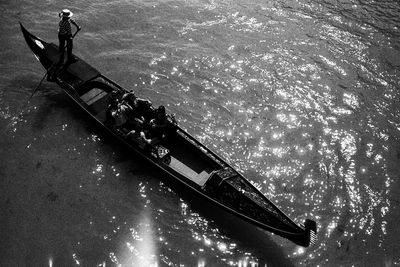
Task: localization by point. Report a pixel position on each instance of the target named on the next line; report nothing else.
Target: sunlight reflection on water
(302, 121)
(301, 97)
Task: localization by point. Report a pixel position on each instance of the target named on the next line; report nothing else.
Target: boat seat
(202, 178)
(198, 178)
(93, 95)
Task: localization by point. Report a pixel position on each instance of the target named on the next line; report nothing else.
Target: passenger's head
(114, 94)
(132, 94)
(160, 113)
(161, 109)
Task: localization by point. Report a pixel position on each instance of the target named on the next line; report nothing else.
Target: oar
(33, 92)
(73, 36)
(40, 83)
(37, 87)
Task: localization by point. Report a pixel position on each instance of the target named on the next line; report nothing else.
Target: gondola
(177, 153)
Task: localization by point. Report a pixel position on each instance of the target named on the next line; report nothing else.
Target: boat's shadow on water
(248, 238)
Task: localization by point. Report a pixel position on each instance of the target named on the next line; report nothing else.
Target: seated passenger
(119, 115)
(141, 107)
(138, 136)
(159, 124)
(129, 97)
(113, 101)
(156, 129)
(115, 97)
(112, 107)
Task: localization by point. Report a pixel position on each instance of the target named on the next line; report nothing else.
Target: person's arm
(144, 102)
(78, 28)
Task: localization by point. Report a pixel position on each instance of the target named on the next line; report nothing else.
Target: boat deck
(74, 73)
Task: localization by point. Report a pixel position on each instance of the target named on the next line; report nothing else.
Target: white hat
(66, 13)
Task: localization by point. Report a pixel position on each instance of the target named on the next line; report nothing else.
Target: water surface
(301, 97)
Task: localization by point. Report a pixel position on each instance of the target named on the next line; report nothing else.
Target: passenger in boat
(116, 95)
(159, 124)
(113, 107)
(157, 127)
(125, 119)
(137, 135)
(120, 115)
(65, 34)
(141, 107)
(127, 112)
(129, 97)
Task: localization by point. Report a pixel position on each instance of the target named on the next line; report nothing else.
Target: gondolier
(65, 34)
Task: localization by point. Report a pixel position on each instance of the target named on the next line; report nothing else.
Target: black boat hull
(90, 89)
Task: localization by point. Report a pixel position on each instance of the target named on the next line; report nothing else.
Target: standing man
(65, 34)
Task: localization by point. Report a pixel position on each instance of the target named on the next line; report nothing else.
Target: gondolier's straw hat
(66, 13)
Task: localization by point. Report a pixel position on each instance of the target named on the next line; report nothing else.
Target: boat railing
(111, 81)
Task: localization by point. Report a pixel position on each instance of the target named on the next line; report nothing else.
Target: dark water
(301, 96)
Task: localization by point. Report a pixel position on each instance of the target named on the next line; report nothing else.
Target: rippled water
(301, 96)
